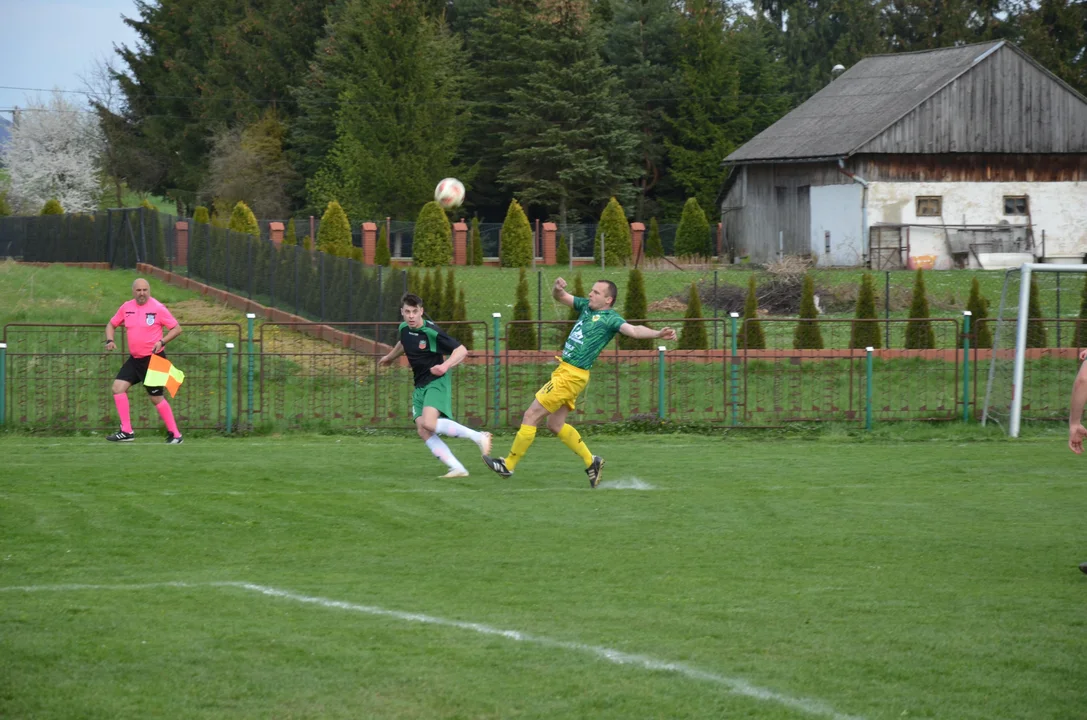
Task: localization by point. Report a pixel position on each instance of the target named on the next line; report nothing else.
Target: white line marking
(626, 484)
(735, 685)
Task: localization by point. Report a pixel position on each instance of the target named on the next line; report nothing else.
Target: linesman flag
(162, 373)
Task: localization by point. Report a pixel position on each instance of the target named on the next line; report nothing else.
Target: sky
(47, 44)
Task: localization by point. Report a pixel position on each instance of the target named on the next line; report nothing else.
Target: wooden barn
(972, 156)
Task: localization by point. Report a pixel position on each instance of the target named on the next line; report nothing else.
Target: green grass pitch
(315, 576)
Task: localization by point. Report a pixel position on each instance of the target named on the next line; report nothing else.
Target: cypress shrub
(562, 252)
(52, 207)
(477, 243)
(433, 243)
(978, 306)
(334, 233)
(516, 250)
(290, 236)
(200, 215)
(693, 233)
(436, 307)
(752, 336)
(449, 300)
(807, 335)
(615, 230)
(635, 307)
(522, 337)
(382, 256)
(919, 333)
(653, 246)
(693, 335)
(1036, 333)
(865, 334)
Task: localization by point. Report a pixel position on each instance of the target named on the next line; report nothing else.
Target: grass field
(323, 577)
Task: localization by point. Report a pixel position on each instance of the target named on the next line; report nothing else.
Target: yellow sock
(525, 435)
(571, 438)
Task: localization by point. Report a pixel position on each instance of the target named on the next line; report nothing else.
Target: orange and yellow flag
(162, 373)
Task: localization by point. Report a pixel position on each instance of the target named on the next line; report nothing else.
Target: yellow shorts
(566, 383)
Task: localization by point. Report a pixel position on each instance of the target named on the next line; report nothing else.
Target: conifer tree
(752, 336)
(522, 337)
(693, 233)
(978, 306)
(381, 252)
(562, 253)
(615, 231)
(635, 308)
(477, 243)
(807, 335)
(919, 332)
(653, 246)
(516, 250)
(449, 300)
(1036, 333)
(693, 335)
(432, 245)
(865, 334)
(334, 233)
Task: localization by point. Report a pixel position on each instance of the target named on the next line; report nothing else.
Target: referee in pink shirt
(144, 319)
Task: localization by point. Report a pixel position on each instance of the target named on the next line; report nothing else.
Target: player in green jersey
(597, 324)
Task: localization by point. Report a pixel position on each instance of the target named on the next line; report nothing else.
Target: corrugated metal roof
(860, 104)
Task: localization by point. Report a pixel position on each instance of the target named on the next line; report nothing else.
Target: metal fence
(304, 375)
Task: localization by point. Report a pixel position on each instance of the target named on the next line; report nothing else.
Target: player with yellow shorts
(596, 325)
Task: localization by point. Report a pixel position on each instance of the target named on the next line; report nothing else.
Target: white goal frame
(1025, 271)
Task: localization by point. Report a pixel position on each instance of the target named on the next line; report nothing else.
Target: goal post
(1000, 376)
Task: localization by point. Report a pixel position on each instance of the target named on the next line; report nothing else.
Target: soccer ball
(449, 193)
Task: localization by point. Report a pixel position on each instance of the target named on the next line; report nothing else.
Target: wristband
(108, 342)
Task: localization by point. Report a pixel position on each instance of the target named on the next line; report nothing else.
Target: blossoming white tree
(54, 152)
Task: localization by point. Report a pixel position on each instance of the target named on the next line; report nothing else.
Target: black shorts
(135, 370)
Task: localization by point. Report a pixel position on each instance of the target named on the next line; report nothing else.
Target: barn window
(1015, 204)
(929, 206)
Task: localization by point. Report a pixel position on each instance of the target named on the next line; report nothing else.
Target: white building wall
(836, 209)
(1058, 208)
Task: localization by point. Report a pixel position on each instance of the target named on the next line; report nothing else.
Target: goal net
(1032, 358)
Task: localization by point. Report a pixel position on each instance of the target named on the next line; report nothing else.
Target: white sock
(443, 453)
(451, 428)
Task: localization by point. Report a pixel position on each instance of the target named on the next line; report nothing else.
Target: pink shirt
(143, 325)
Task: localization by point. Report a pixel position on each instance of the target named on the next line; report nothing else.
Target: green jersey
(593, 331)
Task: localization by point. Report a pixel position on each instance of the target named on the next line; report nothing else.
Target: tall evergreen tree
(642, 47)
(399, 116)
(1054, 32)
(569, 143)
(179, 84)
(436, 308)
(562, 252)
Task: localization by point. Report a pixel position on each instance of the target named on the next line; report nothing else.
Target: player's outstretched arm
(558, 291)
(393, 354)
(641, 332)
(455, 358)
(1076, 432)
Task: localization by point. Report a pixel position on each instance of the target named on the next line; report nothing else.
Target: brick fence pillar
(637, 240)
(460, 243)
(549, 246)
(182, 251)
(275, 232)
(369, 242)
